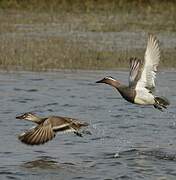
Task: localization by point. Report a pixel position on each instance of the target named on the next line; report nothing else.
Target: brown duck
(47, 128)
(141, 78)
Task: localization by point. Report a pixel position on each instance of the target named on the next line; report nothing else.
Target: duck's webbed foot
(78, 134)
(86, 132)
(161, 103)
(157, 106)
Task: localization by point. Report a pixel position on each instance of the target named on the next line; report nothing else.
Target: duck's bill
(100, 81)
(19, 117)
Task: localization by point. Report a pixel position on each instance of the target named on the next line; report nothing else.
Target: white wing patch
(66, 131)
(61, 126)
(152, 58)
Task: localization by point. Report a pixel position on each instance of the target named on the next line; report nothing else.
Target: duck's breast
(127, 93)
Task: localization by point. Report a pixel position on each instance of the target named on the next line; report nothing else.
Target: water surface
(127, 141)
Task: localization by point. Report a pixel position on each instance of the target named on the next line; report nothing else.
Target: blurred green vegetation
(67, 34)
(89, 5)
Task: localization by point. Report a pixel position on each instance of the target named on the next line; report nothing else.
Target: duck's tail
(80, 133)
(84, 124)
(161, 102)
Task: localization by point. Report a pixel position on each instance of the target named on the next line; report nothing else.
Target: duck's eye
(110, 77)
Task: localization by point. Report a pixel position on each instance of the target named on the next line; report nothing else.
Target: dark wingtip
(25, 141)
(135, 59)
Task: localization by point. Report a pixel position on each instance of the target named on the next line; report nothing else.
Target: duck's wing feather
(62, 122)
(38, 135)
(135, 71)
(63, 128)
(76, 122)
(151, 61)
(65, 124)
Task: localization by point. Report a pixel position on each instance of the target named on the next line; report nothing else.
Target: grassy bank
(37, 35)
(89, 5)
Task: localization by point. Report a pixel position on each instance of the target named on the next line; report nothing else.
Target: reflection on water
(127, 141)
(44, 162)
(47, 167)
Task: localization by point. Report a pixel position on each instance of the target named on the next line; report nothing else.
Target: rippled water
(127, 141)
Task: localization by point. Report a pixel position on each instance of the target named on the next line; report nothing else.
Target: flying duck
(47, 128)
(141, 78)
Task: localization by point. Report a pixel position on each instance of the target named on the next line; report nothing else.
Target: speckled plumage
(47, 128)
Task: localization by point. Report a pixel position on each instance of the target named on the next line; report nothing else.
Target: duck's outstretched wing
(151, 61)
(135, 71)
(38, 135)
(76, 122)
(66, 124)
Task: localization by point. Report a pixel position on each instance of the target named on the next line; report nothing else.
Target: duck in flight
(141, 78)
(47, 128)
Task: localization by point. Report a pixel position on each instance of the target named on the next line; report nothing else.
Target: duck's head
(106, 79)
(109, 80)
(27, 116)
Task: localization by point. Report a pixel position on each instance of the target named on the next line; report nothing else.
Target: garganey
(47, 128)
(141, 78)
